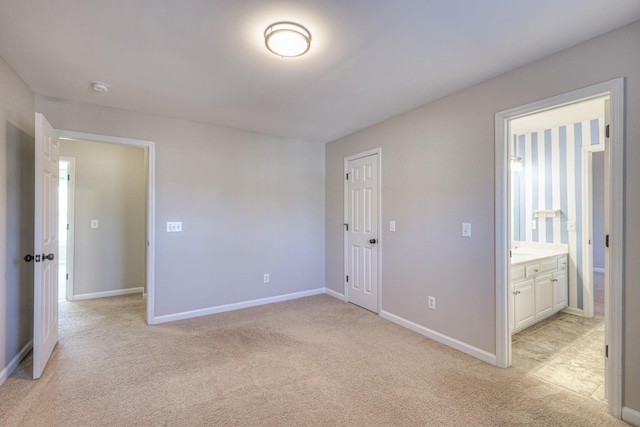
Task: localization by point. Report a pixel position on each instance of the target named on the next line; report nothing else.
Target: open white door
(45, 290)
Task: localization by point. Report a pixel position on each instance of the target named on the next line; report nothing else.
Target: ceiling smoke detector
(100, 86)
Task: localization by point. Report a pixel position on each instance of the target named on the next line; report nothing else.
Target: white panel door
(362, 274)
(45, 291)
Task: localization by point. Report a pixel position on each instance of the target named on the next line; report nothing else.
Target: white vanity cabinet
(539, 289)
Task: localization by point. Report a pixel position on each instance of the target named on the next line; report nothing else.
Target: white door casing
(45, 291)
(362, 284)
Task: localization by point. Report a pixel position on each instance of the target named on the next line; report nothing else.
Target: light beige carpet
(312, 361)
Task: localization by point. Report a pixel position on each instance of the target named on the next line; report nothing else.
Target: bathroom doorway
(544, 251)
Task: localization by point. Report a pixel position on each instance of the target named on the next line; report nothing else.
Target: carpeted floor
(312, 361)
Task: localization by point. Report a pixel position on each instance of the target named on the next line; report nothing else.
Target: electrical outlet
(392, 226)
(266, 278)
(174, 227)
(432, 303)
(571, 226)
(466, 229)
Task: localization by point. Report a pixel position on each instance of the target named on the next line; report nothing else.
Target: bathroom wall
(551, 180)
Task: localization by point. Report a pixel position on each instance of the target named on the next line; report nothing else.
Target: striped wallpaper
(552, 179)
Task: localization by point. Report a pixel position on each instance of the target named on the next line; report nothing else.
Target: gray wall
(109, 187)
(438, 171)
(16, 213)
(249, 204)
(598, 210)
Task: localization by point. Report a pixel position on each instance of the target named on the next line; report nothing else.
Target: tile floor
(566, 350)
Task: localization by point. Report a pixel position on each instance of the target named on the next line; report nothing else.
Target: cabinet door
(544, 295)
(523, 304)
(560, 290)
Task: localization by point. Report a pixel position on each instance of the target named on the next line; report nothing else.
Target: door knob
(28, 258)
(50, 257)
(372, 241)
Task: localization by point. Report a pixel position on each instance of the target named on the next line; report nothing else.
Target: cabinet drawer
(562, 263)
(517, 273)
(548, 265)
(532, 269)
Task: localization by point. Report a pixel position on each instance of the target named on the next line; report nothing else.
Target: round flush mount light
(100, 86)
(287, 39)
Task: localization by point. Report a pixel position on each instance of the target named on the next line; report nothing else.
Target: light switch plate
(174, 227)
(392, 226)
(571, 226)
(466, 229)
(532, 224)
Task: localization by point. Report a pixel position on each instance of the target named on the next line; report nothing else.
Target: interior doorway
(146, 216)
(554, 334)
(544, 222)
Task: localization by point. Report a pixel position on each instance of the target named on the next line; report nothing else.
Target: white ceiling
(205, 60)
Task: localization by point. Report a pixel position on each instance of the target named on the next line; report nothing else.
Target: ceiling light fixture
(100, 86)
(287, 39)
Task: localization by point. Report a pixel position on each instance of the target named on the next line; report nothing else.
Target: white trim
(15, 362)
(335, 294)
(235, 306)
(151, 204)
(485, 356)
(631, 416)
(71, 217)
(615, 90)
(106, 294)
(378, 152)
(574, 311)
(598, 270)
(587, 226)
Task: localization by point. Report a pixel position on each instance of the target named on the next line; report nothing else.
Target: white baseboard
(106, 294)
(13, 364)
(334, 294)
(235, 306)
(575, 311)
(485, 356)
(598, 270)
(631, 416)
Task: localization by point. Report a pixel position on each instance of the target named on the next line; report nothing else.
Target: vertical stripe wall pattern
(552, 180)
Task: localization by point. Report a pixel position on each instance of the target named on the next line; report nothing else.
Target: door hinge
(607, 241)
(347, 177)
(510, 253)
(347, 226)
(67, 226)
(67, 276)
(606, 351)
(347, 279)
(606, 131)
(68, 177)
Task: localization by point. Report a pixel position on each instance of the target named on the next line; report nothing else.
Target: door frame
(587, 227)
(613, 276)
(378, 152)
(150, 189)
(71, 192)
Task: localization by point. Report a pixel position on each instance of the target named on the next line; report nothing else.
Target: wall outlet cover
(392, 226)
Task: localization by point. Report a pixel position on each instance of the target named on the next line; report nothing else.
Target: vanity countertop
(524, 252)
